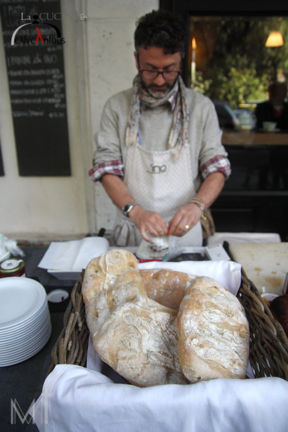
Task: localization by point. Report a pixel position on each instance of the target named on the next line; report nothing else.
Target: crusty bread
(213, 333)
(149, 343)
(101, 271)
(132, 333)
(166, 287)
(139, 341)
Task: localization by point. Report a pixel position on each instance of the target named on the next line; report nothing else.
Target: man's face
(154, 59)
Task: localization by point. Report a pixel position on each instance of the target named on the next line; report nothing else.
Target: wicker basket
(268, 341)
(72, 343)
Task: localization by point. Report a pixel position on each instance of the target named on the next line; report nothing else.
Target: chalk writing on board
(33, 41)
(46, 89)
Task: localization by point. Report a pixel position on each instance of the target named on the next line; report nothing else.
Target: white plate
(25, 355)
(10, 353)
(27, 326)
(26, 344)
(22, 338)
(21, 298)
(20, 348)
(17, 351)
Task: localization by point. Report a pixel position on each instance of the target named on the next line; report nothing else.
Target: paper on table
(73, 255)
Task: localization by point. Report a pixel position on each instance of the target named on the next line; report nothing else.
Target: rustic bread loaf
(149, 343)
(132, 333)
(213, 333)
(166, 287)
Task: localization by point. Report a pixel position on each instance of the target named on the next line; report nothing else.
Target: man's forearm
(211, 188)
(117, 190)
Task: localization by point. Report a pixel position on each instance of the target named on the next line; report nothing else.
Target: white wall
(98, 56)
(43, 207)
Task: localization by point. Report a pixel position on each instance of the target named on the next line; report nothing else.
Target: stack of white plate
(25, 324)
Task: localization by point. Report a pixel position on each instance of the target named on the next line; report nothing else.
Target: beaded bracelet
(199, 204)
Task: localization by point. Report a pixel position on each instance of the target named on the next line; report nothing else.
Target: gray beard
(157, 95)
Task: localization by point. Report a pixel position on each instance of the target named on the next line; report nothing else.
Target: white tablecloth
(76, 399)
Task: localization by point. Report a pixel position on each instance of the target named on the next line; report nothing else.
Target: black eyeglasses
(153, 74)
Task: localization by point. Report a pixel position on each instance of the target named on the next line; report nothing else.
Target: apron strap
(207, 224)
(125, 234)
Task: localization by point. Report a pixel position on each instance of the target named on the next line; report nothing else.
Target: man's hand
(184, 219)
(148, 222)
(188, 215)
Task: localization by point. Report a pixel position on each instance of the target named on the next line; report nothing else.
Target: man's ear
(136, 59)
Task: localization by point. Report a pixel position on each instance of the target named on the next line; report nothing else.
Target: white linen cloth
(227, 273)
(76, 399)
(243, 237)
(73, 255)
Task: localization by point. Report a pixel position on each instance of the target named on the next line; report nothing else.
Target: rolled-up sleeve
(115, 167)
(216, 164)
(213, 156)
(107, 157)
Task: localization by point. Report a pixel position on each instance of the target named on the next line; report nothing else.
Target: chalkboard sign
(33, 41)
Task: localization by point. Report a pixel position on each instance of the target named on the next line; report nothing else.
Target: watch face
(126, 209)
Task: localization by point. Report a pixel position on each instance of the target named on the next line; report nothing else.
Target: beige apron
(159, 182)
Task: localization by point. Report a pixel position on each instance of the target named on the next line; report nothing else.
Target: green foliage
(240, 67)
(237, 86)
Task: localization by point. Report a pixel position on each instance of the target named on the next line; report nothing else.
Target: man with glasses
(159, 154)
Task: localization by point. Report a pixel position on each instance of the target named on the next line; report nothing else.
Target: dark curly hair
(161, 29)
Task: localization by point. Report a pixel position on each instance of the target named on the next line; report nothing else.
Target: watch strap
(127, 208)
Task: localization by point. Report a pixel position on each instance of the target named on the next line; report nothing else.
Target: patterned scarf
(179, 131)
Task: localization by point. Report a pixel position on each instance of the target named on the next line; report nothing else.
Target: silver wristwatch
(127, 208)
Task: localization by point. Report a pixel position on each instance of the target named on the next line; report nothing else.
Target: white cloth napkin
(243, 237)
(76, 399)
(227, 273)
(73, 255)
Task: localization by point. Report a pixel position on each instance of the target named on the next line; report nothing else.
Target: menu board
(33, 42)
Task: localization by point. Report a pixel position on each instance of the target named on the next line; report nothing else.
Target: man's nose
(159, 80)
